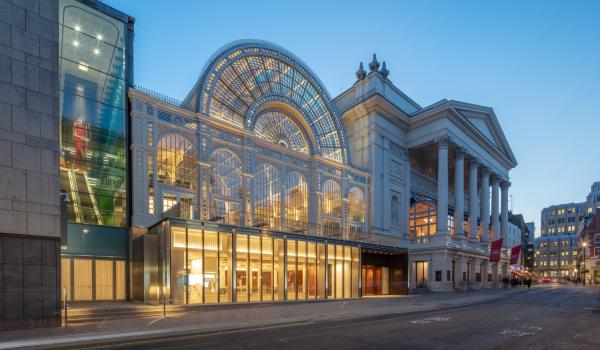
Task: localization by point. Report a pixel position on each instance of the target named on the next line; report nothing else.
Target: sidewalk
(238, 317)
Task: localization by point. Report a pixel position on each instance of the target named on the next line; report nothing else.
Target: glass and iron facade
(95, 59)
(252, 188)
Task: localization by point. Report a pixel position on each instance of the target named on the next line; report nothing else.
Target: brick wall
(29, 153)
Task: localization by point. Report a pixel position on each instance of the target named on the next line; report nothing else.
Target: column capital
(475, 163)
(405, 154)
(495, 179)
(443, 141)
(461, 153)
(505, 184)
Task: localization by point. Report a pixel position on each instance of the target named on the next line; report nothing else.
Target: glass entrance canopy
(207, 263)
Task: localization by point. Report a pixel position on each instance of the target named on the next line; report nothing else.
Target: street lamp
(584, 245)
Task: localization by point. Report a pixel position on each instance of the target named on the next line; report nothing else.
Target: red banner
(495, 249)
(514, 254)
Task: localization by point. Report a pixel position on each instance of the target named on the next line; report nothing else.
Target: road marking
(521, 332)
(431, 319)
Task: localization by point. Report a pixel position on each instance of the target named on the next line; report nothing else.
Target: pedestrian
(528, 283)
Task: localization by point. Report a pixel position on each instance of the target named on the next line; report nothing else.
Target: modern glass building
(95, 60)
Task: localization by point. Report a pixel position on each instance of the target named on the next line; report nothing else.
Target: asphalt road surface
(544, 318)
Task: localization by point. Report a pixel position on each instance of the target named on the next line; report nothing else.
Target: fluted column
(459, 193)
(442, 186)
(485, 204)
(504, 208)
(495, 211)
(473, 204)
(406, 198)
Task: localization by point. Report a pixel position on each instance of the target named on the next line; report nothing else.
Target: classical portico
(447, 162)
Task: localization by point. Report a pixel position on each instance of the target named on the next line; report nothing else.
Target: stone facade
(29, 149)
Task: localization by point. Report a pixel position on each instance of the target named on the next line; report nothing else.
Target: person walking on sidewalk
(528, 283)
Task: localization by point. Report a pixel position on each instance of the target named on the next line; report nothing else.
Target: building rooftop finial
(361, 73)
(374, 65)
(384, 71)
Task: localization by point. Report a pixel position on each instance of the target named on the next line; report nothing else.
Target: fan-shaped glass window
(278, 128)
(296, 203)
(176, 161)
(226, 187)
(267, 197)
(356, 210)
(247, 72)
(332, 199)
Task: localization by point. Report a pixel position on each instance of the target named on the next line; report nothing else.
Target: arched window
(356, 210)
(226, 187)
(176, 161)
(395, 209)
(296, 202)
(267, 197)
(278, 128)
(332, 208)
(332, 199)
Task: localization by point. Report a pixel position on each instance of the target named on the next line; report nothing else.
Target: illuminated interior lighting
(77, 27)
(75, 43)
(96, 52)
(83, 66)
(99, 36)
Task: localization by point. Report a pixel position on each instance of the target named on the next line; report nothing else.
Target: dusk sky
(536, 63)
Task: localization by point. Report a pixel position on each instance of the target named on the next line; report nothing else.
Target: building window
(438, 276)
(176, 161)
(332, 208)
(267, 197)
(226, 187)
(395, 209)
(296, 202)
(422, 220)
(596, 251)
(150, 136)
(597, 238)
(420, 275)
(356, 210)
(151, 184)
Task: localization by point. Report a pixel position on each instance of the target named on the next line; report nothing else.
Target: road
(544, 318)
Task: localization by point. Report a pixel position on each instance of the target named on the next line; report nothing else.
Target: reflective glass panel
(302, 273)
(195, 266)
(267, 197)
(241, 268)
(296, 203)
(278, 128)
(178, 265)
(311, 261)
(255, 265)
(267, 268)
(225, 263)
(279, 269)
(291, 270)
(211, 272)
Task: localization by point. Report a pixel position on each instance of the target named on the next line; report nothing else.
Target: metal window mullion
(248, 273)
(204, 267)
(218, 267)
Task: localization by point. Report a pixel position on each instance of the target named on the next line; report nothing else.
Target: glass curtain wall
(266, 268)
(332, 209)
(267, 197)
(93, 118)
(176, 161)
(296, 203)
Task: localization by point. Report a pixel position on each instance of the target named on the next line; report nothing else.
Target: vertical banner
(514, 254)
(495, 249)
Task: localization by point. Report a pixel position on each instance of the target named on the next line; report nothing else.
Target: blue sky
(537, 63)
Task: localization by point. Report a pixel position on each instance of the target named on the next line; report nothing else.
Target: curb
(107, 341)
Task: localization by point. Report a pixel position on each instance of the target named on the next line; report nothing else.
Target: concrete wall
(29, 176)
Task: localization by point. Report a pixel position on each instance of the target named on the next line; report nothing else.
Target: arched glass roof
(278, 128)
(243, 76)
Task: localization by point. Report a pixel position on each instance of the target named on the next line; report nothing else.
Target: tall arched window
(356, 210)
(176, 161)
(226, 187)
(267, 197)
(296, 202)
(332, 208)
(356, 213)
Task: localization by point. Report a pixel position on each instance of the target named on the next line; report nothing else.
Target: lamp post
(584, 245)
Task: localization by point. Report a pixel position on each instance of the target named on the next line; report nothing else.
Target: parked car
(546, 279)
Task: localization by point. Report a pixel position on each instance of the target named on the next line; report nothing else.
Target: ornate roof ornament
(361, 73)
(384, 71)
(374, 65)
